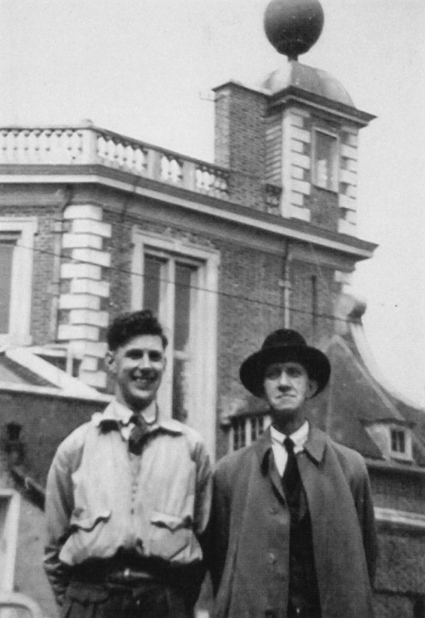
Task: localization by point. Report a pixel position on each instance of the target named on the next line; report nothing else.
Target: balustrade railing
(89, 145)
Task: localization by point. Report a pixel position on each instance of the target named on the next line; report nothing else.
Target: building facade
(93, 224)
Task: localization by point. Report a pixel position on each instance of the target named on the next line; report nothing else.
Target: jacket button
(271, 558)
(274, 510)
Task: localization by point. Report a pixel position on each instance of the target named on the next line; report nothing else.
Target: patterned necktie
(138, 434)
(291, 473)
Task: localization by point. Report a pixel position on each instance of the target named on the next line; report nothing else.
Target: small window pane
(257, 427)
(6, 259)
(398, 441)
(151, 283)
(239, 434)
(182, 306)
(325, 161)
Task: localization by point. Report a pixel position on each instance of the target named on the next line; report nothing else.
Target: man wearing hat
(292, 528)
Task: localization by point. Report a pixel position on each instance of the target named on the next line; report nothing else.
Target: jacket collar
(315, 446)
(118, 417)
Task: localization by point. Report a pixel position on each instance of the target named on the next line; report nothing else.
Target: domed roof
(309, 79)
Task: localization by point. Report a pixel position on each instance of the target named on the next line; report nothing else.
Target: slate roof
(357, 397)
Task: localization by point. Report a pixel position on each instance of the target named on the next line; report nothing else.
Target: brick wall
(400, 579)
(313, 291)
(45, 285)
(119, 274)
(240, 141)
(405, 492)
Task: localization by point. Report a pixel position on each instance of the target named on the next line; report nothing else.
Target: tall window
(170, 285)
(7, 250)
(179, 282)
(16, 263)
(325, 160)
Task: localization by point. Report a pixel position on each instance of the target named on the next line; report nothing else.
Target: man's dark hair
(129, 325)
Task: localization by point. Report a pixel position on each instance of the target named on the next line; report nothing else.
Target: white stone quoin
(82, 303)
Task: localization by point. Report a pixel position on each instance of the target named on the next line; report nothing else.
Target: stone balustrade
(89, 145)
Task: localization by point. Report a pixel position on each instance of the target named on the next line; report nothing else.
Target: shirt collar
(299, 437)
(119, 415)
(315, 445)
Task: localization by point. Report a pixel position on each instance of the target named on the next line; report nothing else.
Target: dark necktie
(138, 434)
(291, 473)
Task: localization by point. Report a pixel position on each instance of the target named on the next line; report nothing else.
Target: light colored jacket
(249, 531)
(98, 500)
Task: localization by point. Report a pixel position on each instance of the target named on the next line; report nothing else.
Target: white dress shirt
(299, 438)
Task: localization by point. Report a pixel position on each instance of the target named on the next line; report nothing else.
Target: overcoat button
(271, 557)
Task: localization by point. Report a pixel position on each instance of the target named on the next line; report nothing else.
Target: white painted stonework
(82, 303)
(294, 140)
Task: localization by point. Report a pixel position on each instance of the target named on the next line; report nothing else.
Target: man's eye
(272, 374)
(155, 356)
(134, 355)
(293, 372)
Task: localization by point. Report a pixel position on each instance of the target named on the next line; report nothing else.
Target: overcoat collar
(315, 446)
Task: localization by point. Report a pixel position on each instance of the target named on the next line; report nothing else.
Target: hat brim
(313, 360)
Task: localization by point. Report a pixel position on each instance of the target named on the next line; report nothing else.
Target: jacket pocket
(83, 520)
(91, 537)
(172, 538)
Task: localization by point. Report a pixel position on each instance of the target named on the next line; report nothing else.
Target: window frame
(244, 426)
(24, 228)
(335, 163)
(405, 455)
(202, 393)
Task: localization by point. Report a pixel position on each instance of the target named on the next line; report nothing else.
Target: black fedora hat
(281, 346)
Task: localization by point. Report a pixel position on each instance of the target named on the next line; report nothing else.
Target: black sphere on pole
(293, 26)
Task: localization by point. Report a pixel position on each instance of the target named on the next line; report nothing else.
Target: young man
(128, 495)
(292, 528)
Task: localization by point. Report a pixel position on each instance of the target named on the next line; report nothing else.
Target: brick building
(93, 223)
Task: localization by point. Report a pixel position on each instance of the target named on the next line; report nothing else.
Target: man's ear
(312, 388)
(110, 361)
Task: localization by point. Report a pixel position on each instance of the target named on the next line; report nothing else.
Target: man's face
(138, 367)
(287, 387)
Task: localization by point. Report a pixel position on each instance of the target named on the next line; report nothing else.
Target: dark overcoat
(249, 531)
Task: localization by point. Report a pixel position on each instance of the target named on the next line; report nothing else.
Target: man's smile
(145, 381)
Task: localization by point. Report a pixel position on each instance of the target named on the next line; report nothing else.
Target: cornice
(169, 194)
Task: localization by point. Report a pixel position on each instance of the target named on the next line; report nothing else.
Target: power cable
(194, 287)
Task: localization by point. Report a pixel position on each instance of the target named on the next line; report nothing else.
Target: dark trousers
(298, 608)
(141, 600)
(306, 613)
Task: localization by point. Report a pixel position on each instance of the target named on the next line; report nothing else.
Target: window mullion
(166, 316)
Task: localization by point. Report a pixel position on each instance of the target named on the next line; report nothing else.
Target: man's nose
(283, 379)
(145, 361)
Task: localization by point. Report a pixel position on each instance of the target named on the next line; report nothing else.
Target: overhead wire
(194, 287)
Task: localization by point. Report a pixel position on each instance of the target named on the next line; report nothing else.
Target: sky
(145, 68)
